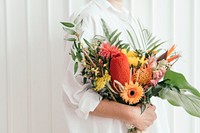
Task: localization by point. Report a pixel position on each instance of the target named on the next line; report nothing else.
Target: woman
(85, 110)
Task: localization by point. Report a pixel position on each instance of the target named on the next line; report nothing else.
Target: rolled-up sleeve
(76, 95)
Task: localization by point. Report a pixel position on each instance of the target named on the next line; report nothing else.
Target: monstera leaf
(178, 80)
(189, 102)
(178, 92)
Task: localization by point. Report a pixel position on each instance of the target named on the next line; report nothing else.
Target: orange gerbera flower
(143, 75)
(132, 93)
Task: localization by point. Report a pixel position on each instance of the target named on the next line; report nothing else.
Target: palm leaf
(115, 38)
(112, 34)
(105, 29)
(132, 40)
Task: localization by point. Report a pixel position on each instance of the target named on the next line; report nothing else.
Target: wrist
(133, 114)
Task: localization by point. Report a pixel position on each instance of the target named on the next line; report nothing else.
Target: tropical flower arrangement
(130, 73)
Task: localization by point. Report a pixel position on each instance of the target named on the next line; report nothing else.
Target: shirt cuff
(88, 103)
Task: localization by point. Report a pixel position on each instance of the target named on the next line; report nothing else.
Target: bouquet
(131, 73)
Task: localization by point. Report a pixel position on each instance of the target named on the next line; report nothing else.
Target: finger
(148, 105)
(153, 107)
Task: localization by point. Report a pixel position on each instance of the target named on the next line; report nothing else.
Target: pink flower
(157, 75)
(154, 82)
(152, 62)
(108, 51)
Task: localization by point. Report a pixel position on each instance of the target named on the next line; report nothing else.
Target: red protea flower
(119, 69)
(108, 51)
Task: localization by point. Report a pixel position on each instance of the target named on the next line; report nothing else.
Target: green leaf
(70, 39)
(75, 67)
(118, 43)
(155, 90)
(76, 20)
(156, 46)
(150, 40)
(73, 55)
(143, 107)
(87, 42)
(190, 103)
(84, 80)
(79, 56)
(79, 25)
(67, 24)
(70, 31)
(112, 34)
(132, 40)
(105, 29)
(115, 38)
(178, 80)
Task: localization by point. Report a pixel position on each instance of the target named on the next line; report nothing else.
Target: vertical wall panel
(196, 55)
(31, 70)
(196, 48)
(56, 44)
(183, 35)
(163, 20)
(163, 28)
(66, 8)
(76, 5)
(17, 65)
(3, 70)
(142, 9)
(40, 66)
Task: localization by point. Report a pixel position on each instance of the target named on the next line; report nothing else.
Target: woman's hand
(144, 120)
(126, 113)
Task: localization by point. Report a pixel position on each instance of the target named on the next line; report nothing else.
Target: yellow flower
(132, 54)
(133, 61)
(124, 51)
(100, 82)
(96, 71)
(143, 60)
(132, 93)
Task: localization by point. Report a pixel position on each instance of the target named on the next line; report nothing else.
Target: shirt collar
(104, 4)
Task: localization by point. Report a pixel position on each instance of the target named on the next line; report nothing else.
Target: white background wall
(32, 49)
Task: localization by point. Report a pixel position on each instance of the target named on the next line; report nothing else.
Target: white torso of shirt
(78, 101)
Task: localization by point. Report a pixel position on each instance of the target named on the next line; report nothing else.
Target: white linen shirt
(78, 101)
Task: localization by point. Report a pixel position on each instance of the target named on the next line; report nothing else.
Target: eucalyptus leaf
(67, 24)
(70, 31)
(87, 42)
(79, 25)
(70, 39)
(73, 55)
(84, 80)
(189, 102)
(178, 80)
(76, 20)
(75, 67)
(79, 56)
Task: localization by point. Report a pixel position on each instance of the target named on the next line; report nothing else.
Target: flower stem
(85, 53)
(111, 93)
